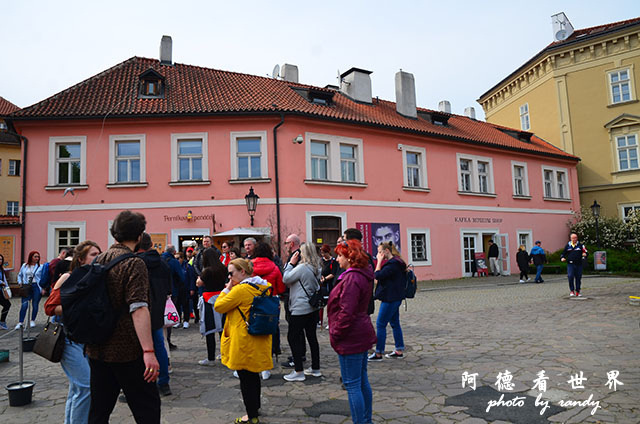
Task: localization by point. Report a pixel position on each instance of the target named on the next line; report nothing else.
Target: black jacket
(522, 259)
(573, 254)
(392, 280)
(493, 251)
(159, 286)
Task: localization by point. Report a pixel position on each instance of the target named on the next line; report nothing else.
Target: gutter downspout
(275, 160)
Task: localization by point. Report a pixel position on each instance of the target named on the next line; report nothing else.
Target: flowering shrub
(633, 227)
(612, 231)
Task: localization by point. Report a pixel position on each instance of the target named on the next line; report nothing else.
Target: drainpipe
(275, 160)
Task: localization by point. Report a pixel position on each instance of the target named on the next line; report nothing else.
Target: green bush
(612, 231)
(622, 261)
(633, 226)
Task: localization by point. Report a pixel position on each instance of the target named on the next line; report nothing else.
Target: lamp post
(252, 203)
(595, 210)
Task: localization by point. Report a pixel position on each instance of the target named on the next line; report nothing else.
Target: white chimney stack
(444, 106)
(165, 50)
(290, 72)
(406, 94)
(356, 83)
(470, 112)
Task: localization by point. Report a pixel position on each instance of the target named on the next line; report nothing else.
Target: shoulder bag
(50, 342)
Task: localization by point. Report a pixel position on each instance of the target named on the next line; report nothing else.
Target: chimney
(356, 83)
(470, 112)
(290, 72)
(406, 94)
(444, 106)
(165, 50)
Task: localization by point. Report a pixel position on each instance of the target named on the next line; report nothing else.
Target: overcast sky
(456, 50)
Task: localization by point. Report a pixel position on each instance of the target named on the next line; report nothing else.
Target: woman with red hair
(350, 330)
(29, 277)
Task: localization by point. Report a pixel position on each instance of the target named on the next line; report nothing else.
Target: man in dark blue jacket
(573, 253)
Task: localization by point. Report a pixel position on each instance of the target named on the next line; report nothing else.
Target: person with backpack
(522, 259)
(29, 278)
(391, 273)
(127, 359)
(213, 278)
(538, 257)
(247, 354)
(74, 362)
(4, 301)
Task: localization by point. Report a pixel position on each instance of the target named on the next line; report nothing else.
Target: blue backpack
(412, 284)
(264, 313)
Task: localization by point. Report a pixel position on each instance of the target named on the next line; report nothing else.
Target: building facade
(184, 145)
(580, 94)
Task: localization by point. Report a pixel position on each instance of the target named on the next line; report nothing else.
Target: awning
(249, 232)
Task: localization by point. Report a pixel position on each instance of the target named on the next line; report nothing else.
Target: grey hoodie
(293, 277)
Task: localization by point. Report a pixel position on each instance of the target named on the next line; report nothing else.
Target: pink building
(184, 144)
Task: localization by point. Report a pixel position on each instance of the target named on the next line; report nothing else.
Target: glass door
(468, 253)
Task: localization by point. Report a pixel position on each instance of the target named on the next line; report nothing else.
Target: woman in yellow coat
(242, 352)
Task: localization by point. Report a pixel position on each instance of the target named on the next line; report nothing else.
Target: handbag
(264, 313)
(6, 292)
(23, 290)
(318, 299)
(171, 316)
(50, 342)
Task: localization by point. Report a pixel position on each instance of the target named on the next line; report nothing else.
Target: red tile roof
(192, 90)
(6, 107)
(9, 220)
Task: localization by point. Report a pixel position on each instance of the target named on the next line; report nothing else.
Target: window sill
(422, 189)
(625, 171)
(521, 197)
(186, 183)
(556, 199)
(250, 181)
(421, 263)
(335, 183)
(64, 187)
(622, 103)
(127, 185)
(474, 193)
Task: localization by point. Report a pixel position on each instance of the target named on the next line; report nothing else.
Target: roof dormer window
(151, 85)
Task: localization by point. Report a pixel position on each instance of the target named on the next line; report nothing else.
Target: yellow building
(10, 162)
(580, 94)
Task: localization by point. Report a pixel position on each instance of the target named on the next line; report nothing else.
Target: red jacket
(350, 328)
(265, 268)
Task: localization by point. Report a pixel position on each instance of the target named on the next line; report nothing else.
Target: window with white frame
(14, 167)
(525, 123)
(414, 165)
(249, 155)
(627, 146)
(13, 208)
(627, 210)
(520, 179)
(67, 161)
(419, 246)
(475, 174)
(61, 234)
(524, 239)
(67, 238)
(189, 162)
(620, 85)
(127, 153)
(555, 183)
(333, 159)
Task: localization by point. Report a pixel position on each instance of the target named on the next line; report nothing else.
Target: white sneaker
(266, 374)
(218, 357)
(295, 376)
(186, 324)
(235, 374)
(177, 325)
(312, 372)
(18, 325)
(528, 279)
(32, 324)
(521, 281)
(327, 327)
(206, 362)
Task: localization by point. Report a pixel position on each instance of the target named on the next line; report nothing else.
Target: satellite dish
(561, 35)
(276, 72)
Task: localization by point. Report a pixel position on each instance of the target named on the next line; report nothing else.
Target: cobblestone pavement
(479, 326)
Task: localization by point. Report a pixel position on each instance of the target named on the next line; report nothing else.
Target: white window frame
(53, 226)
(525, 178)
(529, 234)
(113, 169)
(554, 183)
(611, 84)
(525, 117)
(422, 166)
(53, 174)
(627, 148)
(309, 215)
(427, 233)
(475, 182)
(14, 168)
(175, 168)
(10, 208)
(634, 206)
(334, 172)
(264, 161)
(325, 158)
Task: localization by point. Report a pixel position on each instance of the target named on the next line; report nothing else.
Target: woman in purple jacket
(350, 330)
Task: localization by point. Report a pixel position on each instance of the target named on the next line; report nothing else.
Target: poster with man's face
(374, 233)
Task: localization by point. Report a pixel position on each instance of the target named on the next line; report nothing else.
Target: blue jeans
(34, 297)
(161, 356)
(389, 313)
(574, 272)
(539, 272)
(354, 376)
(76, 366)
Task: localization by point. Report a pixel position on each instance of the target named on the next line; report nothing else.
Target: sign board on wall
(374, 233)
(6, 250)
(159, 241)
(600, 260)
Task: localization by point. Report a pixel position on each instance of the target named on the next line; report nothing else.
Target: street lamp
(595, 210)
(252, 203)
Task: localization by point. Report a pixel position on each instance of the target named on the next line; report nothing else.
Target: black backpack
(87, 312)
(411, 285)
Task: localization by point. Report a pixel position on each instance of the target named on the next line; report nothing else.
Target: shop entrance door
(326, 230)
(503, 246)
(468, 253)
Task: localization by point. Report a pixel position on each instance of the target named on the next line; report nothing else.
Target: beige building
(580, 94)
(10, 162)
